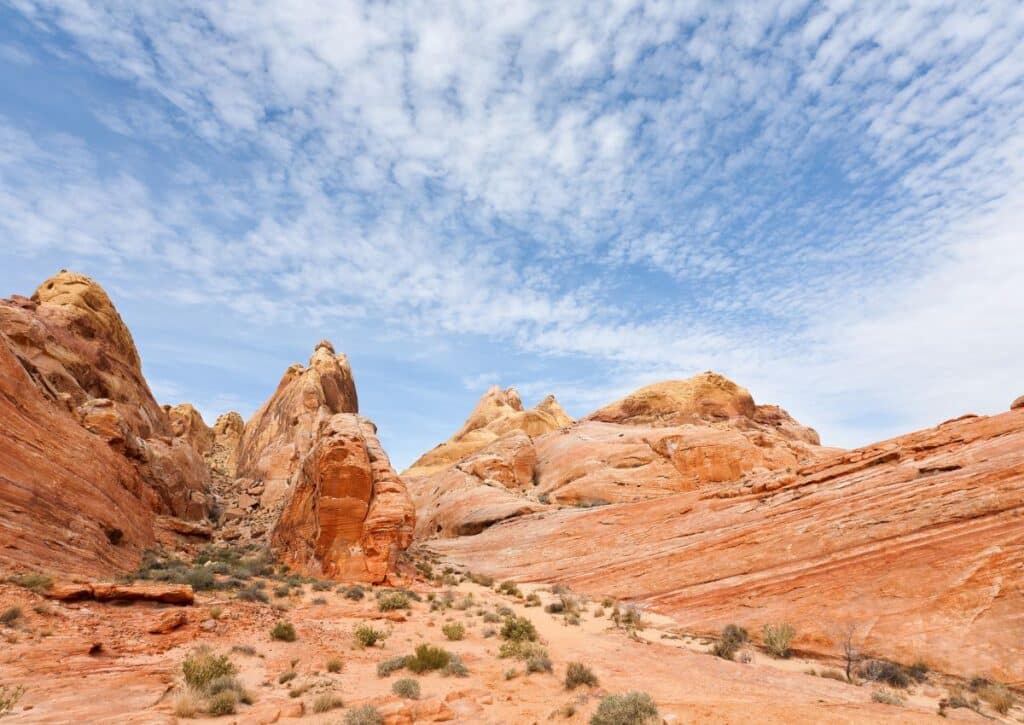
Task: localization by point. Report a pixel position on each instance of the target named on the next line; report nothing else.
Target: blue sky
(823, 201)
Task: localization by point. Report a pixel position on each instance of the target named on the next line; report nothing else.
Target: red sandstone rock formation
(227, 435)
(335, 506)
(916, 542)
(186, 422)
(662, 439)
(348, 515)
(79, 354)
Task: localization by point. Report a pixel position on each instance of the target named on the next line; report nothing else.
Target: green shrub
(777, 638)
(523, 650)
(481, 579)
(202, 667)
(577, 674)
(455, 668)
(538, 662)
(34, 581)
(394, 664)
(283, 631)
(327, 702)
(201, 579)
(354, 592)
(10, 615)
(367, 636)
(491, 618)
(633, 708)
(335, 665)
(223, 703)
(510, 588)
(282, 590)
(733, 637)
(252, 593)
(427, 658)
(407, 688)
(884, 671)
(533, 600)
(554, 607)
(321, 586)
(518, 629)
(365, 715)
(390, 601)
(454, 631)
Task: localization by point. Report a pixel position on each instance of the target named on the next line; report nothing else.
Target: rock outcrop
(914, 543)
(662, 439)
(313, 474)
(227, 436)
(1017, 404)
(348, 515)
(187, 422)
(78, 352)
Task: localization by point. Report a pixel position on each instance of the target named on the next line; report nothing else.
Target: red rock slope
(916, 542)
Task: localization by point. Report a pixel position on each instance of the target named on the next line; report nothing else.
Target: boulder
(168, 621)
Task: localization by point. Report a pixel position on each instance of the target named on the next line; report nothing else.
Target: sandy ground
(134, 676)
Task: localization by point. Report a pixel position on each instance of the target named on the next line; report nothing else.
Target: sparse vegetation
(886, 672)
(777, 638)
(733, 637)
(365, 715)
(286, 677)
(335, 665)
(887, 697)
(523, 650)
(354, 592)
(407, 688)
(202, 667)
(327, 702)
(455, 668)
(509, 587)
(390, 601)
(9, 697)
(633, 708)
(577, 674)
(538, 662)
(454, 631)
(533, 600)
(367, 636)
(998, 696)
(187, 703)
(244, 649)
(33, 581)
(283, 632)
(386, 667)
(518, 629)
(427, 658)
(628, 617)
(252, 593)
(10, 616)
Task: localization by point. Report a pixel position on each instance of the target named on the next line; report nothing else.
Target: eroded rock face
(348, 515)
(280, 434)
(1017, 404)
(914, 542)
(497, 413)
(186, 422)
(665, 438)
(78, 353)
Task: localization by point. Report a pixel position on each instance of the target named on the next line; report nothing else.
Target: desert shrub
(887, 697)
(10, 615)
(224, 683)
(394, 664)
(918, 670)
(832, 675)
(390, 601)
(733, 637)
(491, 618)
(286, 677)
(201, 579)
(523, 650)
(577, 674)
(319, 601)
(187, 703)
(202, 667)
(481, 579)
(538, 662)
(488, 632)
(633, 708)
(518, 629)
(335, 665)
(282, 590)
(244, 649)
(327, 702)
(365, 715)
(554, 608)
(884, 671)
(34, 581)
(572, 618)
(367, 636)
(427, 658)
(777, 638)
(354, 592)
(321, 586)
(252, 593)
(454, 631)
(215, 612)
(223, 703)
(598, 612)
(455, 668)
(407, 688)
(9, 697)
(607, 602)
(509, 587)
(998, 696)
(283, 631)
(511, 673)
(627, 617)
(505, 611)
(533, 600)
(299, 690)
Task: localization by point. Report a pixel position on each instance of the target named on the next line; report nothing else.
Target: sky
(822, 201)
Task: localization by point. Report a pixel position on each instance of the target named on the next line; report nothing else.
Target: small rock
(169, 621)
(208, 625)
(293, 710)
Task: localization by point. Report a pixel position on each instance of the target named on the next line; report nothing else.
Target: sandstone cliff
(87, 457)
(915, 543)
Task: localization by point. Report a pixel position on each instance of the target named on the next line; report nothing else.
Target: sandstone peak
(188, 423)
(704, 396)
(1018, 403)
